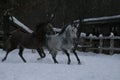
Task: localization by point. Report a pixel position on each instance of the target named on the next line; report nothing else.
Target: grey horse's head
(71, 31)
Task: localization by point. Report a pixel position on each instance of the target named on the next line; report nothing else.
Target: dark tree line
(31, 12)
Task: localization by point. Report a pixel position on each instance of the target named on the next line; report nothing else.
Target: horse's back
(23, 39)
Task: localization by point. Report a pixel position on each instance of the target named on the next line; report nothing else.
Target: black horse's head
(49, 28)
(43, 28)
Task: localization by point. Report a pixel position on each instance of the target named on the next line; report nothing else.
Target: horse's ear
(68, 27)
(50, 25)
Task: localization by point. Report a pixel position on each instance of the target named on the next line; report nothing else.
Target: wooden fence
(100, 40)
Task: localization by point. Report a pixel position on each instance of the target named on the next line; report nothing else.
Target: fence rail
(101, 39)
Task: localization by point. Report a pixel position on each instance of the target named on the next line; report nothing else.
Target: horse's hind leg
(41, 52)
(8, 51)
(54, 56)
(5, 57)
(21, 54)
(76, 56)
(69, 61)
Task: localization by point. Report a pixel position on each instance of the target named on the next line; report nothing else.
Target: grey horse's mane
(63, 29)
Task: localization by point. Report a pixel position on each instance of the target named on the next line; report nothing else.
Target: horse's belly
(31, 45)
(69, 46)
(54, 44)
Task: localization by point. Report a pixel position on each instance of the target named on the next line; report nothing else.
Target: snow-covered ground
(93, 67)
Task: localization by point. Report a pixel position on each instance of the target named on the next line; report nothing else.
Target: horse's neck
(68, 40)
(63, 35)
(40, 37)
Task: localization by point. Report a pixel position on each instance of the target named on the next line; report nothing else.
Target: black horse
(35, 40)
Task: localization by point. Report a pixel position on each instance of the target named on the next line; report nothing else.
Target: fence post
(100, 43)
(111, 43)
(33, 51)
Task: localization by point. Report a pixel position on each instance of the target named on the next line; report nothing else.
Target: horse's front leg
(5, 56)
(54, 53)
(8, 51)
(66, 52)
(74, 51)
(41, 52)
(21, 54)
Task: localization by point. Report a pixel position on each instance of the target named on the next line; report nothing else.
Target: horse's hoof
(68, 63)
(44, 56)
(39, 58)
(56, 62)
(79, 62)
(25, 61)
(3, 60)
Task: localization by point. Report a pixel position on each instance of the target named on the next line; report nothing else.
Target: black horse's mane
(40, 25)
(40, 28)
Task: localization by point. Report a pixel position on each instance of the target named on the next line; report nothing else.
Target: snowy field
(93, 67)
